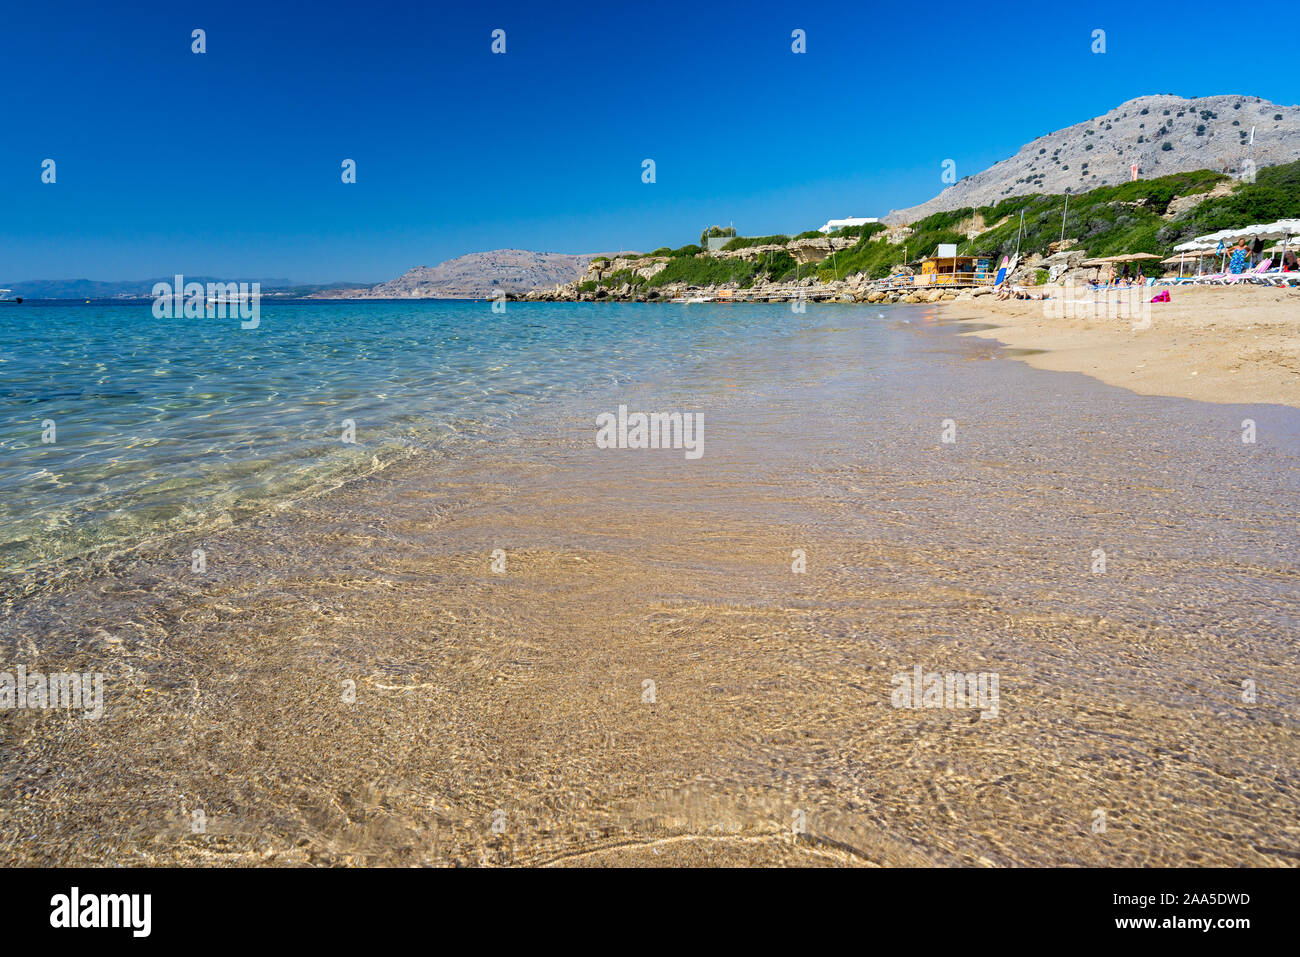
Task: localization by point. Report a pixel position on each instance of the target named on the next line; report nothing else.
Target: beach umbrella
(1214, 238)
(1197, 254)
(1175, 259)
(1125, 258)
(1280, 229)
(1198, 248)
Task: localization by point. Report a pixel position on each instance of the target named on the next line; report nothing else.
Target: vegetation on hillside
(1106, 221)
(716, 270)
(744, 242)
(715, 232)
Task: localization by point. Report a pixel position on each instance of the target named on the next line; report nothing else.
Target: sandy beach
(1238, 344)
(651, 678)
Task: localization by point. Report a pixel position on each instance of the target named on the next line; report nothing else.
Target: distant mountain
(476, 276)
(143, 288)
(1161, 134)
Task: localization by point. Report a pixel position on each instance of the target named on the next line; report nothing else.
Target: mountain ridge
(477, 276)
(1208, 132)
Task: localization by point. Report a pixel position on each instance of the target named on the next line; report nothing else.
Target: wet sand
(506, 719)
(1210, 343)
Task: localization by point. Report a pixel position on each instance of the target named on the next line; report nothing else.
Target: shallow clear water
(162, 424)
(522, 689)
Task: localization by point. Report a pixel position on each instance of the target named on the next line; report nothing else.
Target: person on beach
(1290, 262)
(1237, 261)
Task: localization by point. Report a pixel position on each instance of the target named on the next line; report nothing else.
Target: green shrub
(744, 242)
(863, 231)
(617, 279)
(778, 265)
(706, 271)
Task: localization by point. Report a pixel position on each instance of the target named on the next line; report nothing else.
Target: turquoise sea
(163, 424)
(1125, 563)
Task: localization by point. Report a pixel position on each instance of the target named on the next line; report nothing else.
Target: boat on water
(4, 296)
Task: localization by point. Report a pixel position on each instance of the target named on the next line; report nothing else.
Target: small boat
(4, 296)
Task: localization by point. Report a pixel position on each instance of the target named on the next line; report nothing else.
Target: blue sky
(228, 163)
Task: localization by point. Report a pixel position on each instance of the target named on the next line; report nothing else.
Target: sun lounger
(1282, 280)
(1205, 279)
(1250, 275)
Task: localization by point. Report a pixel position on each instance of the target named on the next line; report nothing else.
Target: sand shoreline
(1211, 343)
(650, 681)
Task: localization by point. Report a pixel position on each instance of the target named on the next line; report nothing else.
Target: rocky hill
(478, 276)
(1161, 134)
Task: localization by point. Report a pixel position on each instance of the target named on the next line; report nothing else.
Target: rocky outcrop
(647, 267)
(1160, 134)
(815, 250)
(749, 253)
(1181, 204)
(1063, 264)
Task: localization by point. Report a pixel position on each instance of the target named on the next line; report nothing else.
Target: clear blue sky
(228, 163)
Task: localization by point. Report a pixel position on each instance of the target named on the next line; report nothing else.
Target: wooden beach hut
(946, 268)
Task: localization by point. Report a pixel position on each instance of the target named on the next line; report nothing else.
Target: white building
(835, 224)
